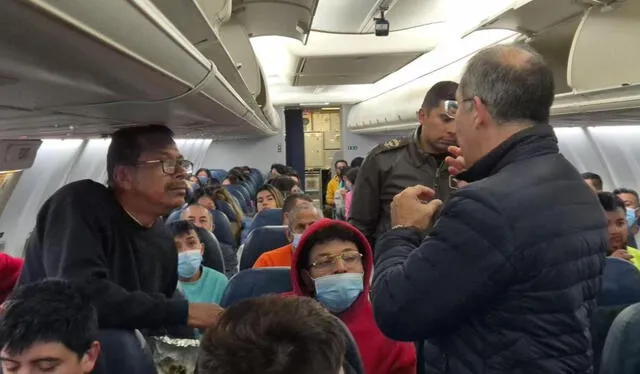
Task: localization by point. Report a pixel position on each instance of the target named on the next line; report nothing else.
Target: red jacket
(10, 268)
(380, 354)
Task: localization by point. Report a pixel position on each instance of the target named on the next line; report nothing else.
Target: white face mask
(296, 240)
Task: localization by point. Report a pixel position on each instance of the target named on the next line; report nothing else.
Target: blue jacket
(507, 280)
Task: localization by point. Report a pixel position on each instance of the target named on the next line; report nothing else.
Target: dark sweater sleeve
(423, 289)
(73, 232)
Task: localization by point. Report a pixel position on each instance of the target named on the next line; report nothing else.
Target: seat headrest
(223, 228)
(212, 257)
(269, 217)
(261, 240)
(256, 282)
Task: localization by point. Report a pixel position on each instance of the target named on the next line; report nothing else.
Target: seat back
(123, 351)
(256, 282)
(621, 352)
(262, 240)
(212, 257)
(235, 191)
(222, 228)
(269, 217)
(218, 174)
(174, 216)
(226, 208)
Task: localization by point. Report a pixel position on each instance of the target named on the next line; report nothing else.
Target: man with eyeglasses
(112, 241)
(400, 163)
(507, 280)
(333, 263)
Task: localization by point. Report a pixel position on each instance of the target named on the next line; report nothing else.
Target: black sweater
(82, 233)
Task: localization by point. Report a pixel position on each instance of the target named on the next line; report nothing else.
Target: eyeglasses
(169, 167)
(451, 106)
(326, 264)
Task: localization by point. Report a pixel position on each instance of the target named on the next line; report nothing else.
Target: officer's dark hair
(597, 181)
(445, 90)
(335, 164)
(514, 83)
(610, 202)
(621, 190)
(48, 311)
(129, 143)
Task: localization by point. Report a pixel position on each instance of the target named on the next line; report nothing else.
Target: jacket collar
(531, 142)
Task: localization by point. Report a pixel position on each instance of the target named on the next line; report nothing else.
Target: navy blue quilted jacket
(507, 280)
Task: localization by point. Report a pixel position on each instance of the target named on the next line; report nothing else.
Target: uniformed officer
(400, 163)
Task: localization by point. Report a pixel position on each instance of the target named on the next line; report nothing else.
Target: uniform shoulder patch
(392, 144)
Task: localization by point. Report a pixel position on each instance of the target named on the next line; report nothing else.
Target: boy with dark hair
(275, 335)
(48, 326)
(198, 283)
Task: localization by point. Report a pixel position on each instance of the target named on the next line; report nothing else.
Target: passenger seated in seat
(112, 238)
(333, 263)
(291, 202)
(301, 217)
(48, 327)
(204, 196)
(201, 217)
(198, 283)
(274, 335)
(268, 197)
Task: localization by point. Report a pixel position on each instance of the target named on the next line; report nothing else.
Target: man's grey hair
(513, 81)
(197, 206)
(303, 207)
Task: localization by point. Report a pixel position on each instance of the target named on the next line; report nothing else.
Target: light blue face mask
(203, 180)
(296, 240)
(631, 217)
(189, 263)
(337, 292)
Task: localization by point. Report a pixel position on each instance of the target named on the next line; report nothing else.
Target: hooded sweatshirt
(10, 268)
(380, 355)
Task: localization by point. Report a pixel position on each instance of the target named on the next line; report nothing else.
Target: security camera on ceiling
(381, 25)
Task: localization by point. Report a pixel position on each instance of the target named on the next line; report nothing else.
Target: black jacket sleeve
(73, 240)
(365, 204)
(423, 289)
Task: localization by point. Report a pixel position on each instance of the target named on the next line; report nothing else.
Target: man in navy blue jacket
(507, 279)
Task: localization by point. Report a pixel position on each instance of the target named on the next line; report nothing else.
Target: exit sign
(352, 148)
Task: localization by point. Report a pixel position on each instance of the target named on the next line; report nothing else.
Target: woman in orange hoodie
(333, 263)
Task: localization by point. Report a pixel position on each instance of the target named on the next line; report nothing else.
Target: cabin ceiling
(604, 118)
(341, 61)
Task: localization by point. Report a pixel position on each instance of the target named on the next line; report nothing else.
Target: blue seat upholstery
(235, 192)
(123, 351)
(174, 216)
(621, 352)
(222, 228)
(261, 240)
(212, 257)
(226, 208)
(269, 217)
(256, 282)
(218, 174)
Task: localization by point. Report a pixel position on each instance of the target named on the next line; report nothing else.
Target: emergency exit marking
(352, 148)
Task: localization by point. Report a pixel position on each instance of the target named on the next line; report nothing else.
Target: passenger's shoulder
(85, 187)
(391, 145)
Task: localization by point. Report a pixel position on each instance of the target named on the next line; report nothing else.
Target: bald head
(199, 215)
(513, 81)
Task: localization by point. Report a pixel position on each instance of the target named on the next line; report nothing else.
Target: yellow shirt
(636, 256)
(332, 187)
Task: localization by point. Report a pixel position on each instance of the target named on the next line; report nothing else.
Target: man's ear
(422, 115)
(88, 361)
(123, 176)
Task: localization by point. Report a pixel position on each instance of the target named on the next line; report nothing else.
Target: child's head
(49, 326)
(350, 178)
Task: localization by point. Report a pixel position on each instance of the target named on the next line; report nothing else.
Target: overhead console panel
(287, 18)
(85, 67)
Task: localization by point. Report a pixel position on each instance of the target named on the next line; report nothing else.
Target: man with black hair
(48, 327)
(593, 180)
(618, 228)
(631, 202)
(275, 335)
(400, 163)
(112, 239)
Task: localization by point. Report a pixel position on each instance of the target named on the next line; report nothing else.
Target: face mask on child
(189, 263)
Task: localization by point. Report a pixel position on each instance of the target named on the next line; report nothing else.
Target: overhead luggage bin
(111, 63)
(605, 49)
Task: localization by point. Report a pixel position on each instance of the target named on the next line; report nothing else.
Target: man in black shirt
(112, 239)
